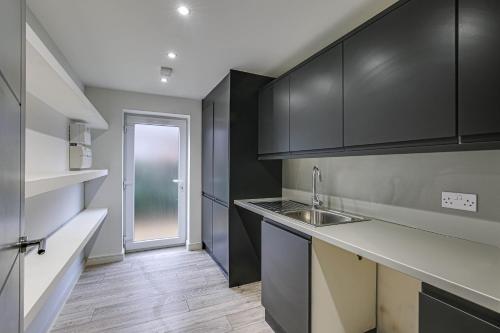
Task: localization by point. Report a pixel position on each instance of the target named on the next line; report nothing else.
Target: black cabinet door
(208, 149)
(220, 247)
(221, 141)
(11, 24)
(399, 76)
(206, 225)
(266, 122)
(286, 278)
(479, 67)
(436, 316)
(316, 110)
(274, 118)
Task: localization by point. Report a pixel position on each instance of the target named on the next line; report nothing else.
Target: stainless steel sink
(322, 217)
(307, 214)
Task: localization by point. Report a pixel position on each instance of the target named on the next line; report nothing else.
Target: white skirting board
(101, 260)
(43, 272)
(194, 246)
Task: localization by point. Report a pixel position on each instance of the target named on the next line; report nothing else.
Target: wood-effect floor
(171, 290)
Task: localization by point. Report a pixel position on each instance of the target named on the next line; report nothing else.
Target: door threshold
(152, 247)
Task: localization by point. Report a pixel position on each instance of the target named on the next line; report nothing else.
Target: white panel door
(155, 182)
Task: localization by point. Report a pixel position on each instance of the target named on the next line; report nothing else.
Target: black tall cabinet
(231, 171)
(208, 148)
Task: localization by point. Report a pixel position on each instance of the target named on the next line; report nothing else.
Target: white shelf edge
(38, 184)
(39, 85)
(42, 272)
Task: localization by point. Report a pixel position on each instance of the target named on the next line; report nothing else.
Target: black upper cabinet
(266, 122)
(208, 148)
(221, 141)
(400, 76)
(11, 37)
(274, 118)
(316, 110)
(479, 67)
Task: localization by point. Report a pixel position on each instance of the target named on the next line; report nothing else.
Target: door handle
(24, 243)
(179, 182)
(126, 183)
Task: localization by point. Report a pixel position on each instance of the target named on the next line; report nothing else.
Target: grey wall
(47, 152)
(411, 181)
(38, 28)
(47, 212)
(42, 118)
(107, 151)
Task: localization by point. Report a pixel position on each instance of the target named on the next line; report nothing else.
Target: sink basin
(320, 217)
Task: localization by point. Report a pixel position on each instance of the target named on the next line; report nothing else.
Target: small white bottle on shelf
(80, 153)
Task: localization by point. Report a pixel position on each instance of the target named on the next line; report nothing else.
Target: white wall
(47, 138)
(107, 149)
(46, 151)
(50, 44)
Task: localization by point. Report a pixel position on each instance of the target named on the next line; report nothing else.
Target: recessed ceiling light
(172, 55)
(164, 80)
(183, 10)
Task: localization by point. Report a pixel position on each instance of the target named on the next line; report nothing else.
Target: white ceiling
(121, 44)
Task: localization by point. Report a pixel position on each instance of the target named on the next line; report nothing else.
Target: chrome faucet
(316, 175)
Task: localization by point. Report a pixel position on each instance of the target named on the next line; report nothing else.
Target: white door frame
(132, 118)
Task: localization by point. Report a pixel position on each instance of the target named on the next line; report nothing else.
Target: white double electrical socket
(461, 201)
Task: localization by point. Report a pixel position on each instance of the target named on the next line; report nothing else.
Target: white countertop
(467, 269)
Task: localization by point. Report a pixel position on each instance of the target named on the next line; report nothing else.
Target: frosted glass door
(156, 197)
(155, 182)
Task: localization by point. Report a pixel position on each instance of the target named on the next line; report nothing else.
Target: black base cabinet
(232, 171)
(286, 278)
(442, 312)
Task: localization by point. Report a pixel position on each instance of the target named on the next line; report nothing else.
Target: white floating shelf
(47, 80)
(42, 272)
(38, 184)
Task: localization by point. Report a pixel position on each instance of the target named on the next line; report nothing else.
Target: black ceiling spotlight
(165, 73)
